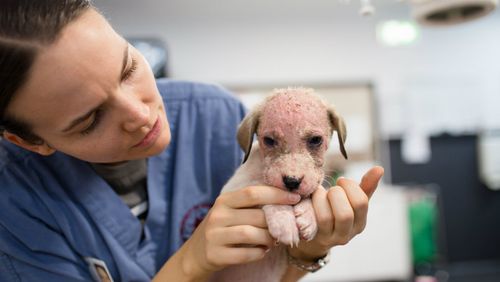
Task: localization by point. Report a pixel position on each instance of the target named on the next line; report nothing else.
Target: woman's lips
(152, 135)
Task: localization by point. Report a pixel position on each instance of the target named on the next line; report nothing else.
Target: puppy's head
(294, 127)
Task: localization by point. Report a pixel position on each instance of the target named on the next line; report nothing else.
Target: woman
(97, 183)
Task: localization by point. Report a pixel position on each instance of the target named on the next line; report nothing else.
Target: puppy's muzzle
(292, 183)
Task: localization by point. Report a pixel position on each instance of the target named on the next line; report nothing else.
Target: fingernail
(339, 178)
(294, 197)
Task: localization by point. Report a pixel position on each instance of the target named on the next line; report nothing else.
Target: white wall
(448, 81)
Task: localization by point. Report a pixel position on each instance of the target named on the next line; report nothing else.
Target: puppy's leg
(281, 224)
(306, 219)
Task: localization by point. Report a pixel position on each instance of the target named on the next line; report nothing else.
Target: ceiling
(256, 10)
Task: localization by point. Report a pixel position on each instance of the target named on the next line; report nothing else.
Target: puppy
(293, 127)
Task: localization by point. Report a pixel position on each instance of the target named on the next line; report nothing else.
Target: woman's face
(93, 96)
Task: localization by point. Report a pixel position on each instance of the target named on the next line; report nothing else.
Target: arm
(341, 214)
(293, 274)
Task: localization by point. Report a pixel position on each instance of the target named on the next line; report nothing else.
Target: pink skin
(291, 119)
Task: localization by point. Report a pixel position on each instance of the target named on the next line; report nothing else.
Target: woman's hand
(234, 231)
(341, 214)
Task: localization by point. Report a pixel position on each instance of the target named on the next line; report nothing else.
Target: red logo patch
(193, 217)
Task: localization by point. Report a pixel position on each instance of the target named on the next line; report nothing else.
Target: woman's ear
(42, 148)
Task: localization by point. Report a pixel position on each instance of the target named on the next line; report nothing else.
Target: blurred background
(418, 83)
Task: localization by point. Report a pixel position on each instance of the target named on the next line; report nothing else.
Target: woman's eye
(315, 141)
(94, 124)
(269, 142)
(127, 74)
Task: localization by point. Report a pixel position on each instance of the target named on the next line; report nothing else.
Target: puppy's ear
(247, 129)
(338, 124)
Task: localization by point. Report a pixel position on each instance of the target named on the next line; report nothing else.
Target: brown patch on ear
(338, 124)
(246, 130)
(42, 148)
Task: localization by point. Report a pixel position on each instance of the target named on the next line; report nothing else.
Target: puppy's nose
(291, 182)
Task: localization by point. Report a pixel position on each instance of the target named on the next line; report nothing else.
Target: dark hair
(26, 26)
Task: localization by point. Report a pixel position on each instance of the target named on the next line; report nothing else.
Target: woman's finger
(233, 217)
(245, 236)
(233, 256)
(370, 180)
(323, 211)
(343, 214)
(359, 203)
(258, 195)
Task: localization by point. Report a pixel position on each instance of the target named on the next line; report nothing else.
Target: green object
(423, 214)
(331, 180)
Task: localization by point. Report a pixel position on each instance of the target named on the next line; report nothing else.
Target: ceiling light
(439, 12)
(397, 33)
(446, 12)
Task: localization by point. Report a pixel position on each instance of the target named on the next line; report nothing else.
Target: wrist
(191, 266)
(308, 253)
(309, 265)
(182, 267)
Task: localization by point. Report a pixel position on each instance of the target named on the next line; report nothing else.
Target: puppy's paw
(281, 224)
(306, 219)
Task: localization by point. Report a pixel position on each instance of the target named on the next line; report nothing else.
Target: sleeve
(13, 270)
(31, 247)
(7, 271)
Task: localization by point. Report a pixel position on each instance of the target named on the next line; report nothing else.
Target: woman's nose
(136, 115)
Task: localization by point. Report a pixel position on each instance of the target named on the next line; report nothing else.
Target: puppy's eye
(270, 142)
(315, 141)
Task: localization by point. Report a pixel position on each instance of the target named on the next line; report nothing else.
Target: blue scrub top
(56, 212)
